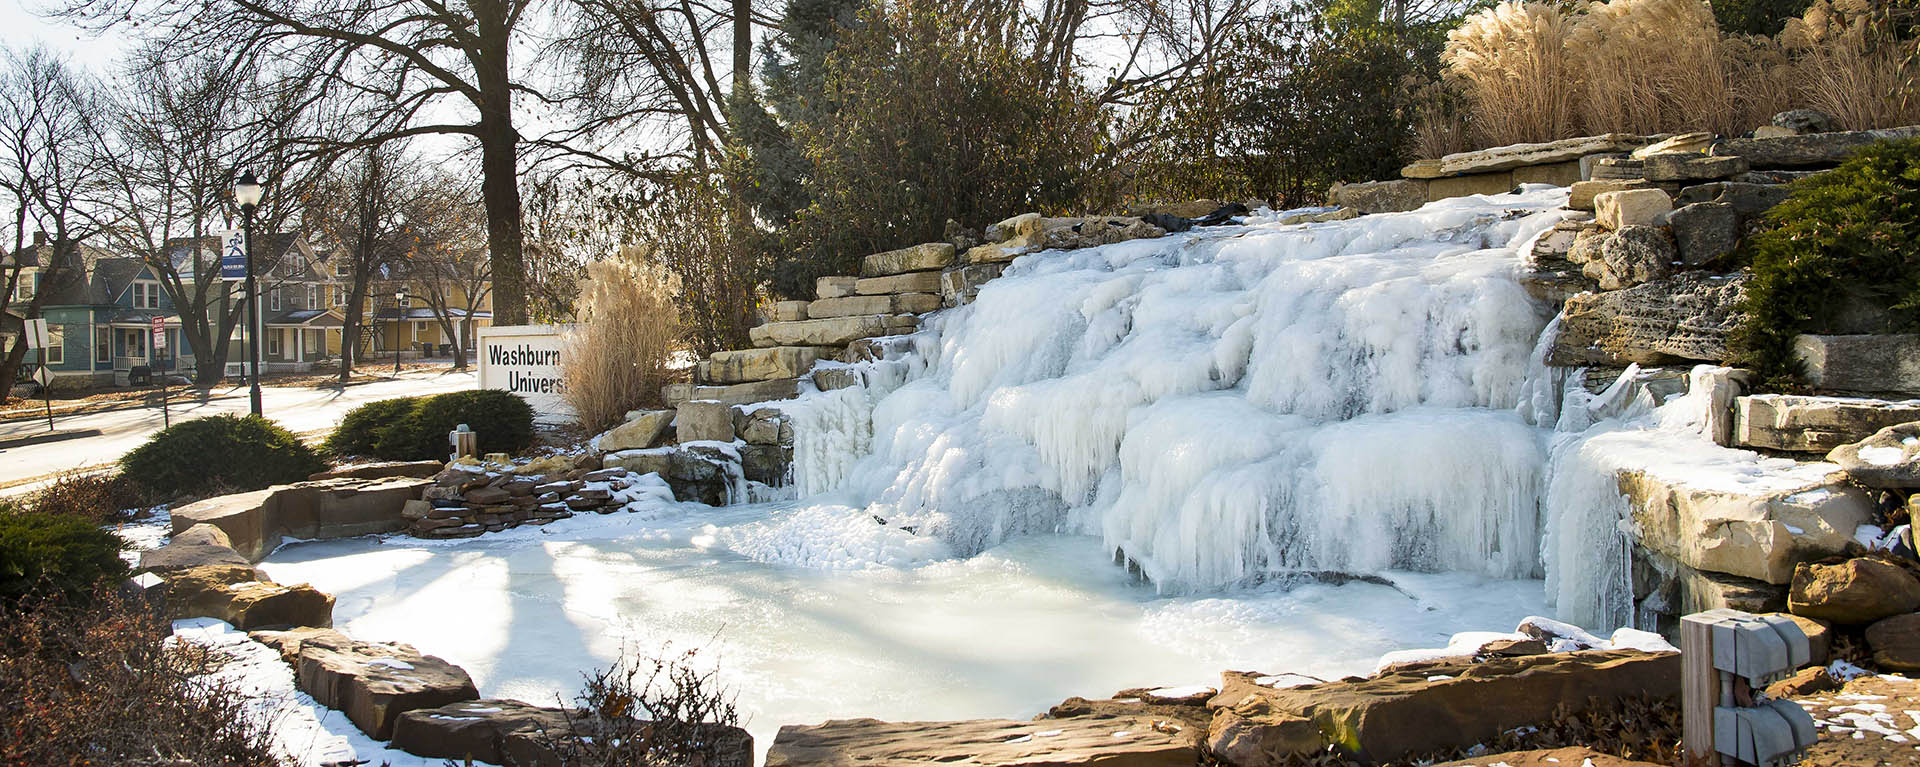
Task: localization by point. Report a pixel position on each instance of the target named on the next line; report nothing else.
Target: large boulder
(481, 730)
(178, 554)
(1682, 318)
(1380, 196)
(1631, 256)
(1744, 530)
(1888, 459)
(642, 431)
(236, 594)
(374, 683)
(1580, 195)
(912, 282)
(256, 521)
(1807, 424)
(1802, 121)
(1857, 591)
(704, 420)
(1437, 707)
(1896, 642)
(1705, 232)
(958, 285)
(1072, 742)
(1860, 363)
(1749, 200)
(766, 364)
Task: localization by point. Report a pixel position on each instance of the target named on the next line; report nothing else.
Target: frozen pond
(1007, 633)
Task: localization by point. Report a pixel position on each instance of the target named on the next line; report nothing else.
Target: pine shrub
(219, 453)
(415, 428)
(1854, 231)
(359, 431)
(55, 556)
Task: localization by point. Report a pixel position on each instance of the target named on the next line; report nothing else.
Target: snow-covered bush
(629, 329)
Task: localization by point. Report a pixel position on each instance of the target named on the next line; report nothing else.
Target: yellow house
(425, 326)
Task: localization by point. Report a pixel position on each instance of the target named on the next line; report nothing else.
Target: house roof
(427, 313)
(306, 317)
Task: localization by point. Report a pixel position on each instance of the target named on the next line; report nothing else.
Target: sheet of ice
(1882, 456)
(1006, 633)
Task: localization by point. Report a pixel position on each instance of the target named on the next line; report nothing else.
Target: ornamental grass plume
(622, 351)
(1511, 61)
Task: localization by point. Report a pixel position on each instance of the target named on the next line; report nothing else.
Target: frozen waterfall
(1216, 406)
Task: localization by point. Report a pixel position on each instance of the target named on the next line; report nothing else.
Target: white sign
(525, 360)
(159, 333)
(43, 375)
(37, 335)
(233, 255)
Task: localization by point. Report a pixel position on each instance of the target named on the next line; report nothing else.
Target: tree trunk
(499, 163)
(742, 46)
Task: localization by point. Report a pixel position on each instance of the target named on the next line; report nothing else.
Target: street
(300, 409)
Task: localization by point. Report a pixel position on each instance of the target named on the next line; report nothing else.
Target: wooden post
(1699, 691)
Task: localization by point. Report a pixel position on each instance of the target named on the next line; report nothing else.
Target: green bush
(415, 428)
(52, 555)
(359, 431)
(1854, 231)
(219, 453)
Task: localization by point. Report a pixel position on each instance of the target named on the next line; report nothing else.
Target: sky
(21, 27)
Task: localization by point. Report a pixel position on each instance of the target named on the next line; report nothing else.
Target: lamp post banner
(233, 254)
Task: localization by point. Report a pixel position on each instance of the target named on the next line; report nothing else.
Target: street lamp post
(246, 192)
(400, 320)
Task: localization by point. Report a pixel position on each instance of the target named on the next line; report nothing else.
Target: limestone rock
(1580, 195)
(1808, 150)
(1092, 231)
(996, 253)
(642, 431)
(1551, 174)
(1015, 228)
(1748, 533)
(1679, 167)
(1500, 182)
(1685, 317)
(1630, 256)
(374, 683)
(698, 473)
(830, 379)
(1705, 232)
(1072, 742)
(1696, 143)
(178, 555)
(701, 420)
(1806, 424)
(1888, 459)
(789, 311)
(201, 592)
(477, 729)
(764, 364)
(1380, 196)
(736, 394)
(1520, 155)
(1771, 131)
(1422, 169)
(380, 470)
(1618, 168)
(896, 303)
(1896, 643)
(1860, 363)
(958, 285)
(915, 282)
(919, 258)
(1549, 275)
(258, 605)
(1748, 199)
(837, 331)
(763, 426)
(1857, 591)
(1632, 207)
(1802, 121)
(1571, 756)
(834, 287)
(1402, 714)
(766, 464)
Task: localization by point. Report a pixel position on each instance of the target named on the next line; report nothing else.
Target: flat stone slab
(1686, 317)
(890, 303)
(1109, 742)
(837, 331)
(1720, 525)
(763, 364)
(914, 282)
(374, 683)
(1571, 756)
(1521, 155)
(736, 394)
(931, 256)
(1814, 424)
(482, 730)
(381, 470)
(1809, 150)
(1888, 459)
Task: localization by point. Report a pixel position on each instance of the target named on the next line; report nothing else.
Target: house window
(273, 341)
(339, 296)
(273, 301)
(146, 295)
(102, 344)
(56, 351)
(313, 296)
(23, 290)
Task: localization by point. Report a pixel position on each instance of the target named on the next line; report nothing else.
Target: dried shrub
(663, 711)
(99, 497)
(1511, 62)
(1643, 728)
(102, 685)
(1850, 66)
(1653, 66)
(621, 352)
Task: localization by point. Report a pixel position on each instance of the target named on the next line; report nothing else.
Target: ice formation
(1217, 405)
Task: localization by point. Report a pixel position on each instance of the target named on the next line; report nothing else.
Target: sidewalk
(33, 408)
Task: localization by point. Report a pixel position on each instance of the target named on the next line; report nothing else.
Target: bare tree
(360, 209)
(448, 263)
(46, 112)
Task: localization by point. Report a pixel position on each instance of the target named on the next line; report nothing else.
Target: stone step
(789, 311)
(919, 258)
(763, 364)
(1861, 363)
(834, 287)
(837, 331)
(1138, 741)
(850, 306)
(736, 394)
(372, 683)
(911, 282)
(1813, 424)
